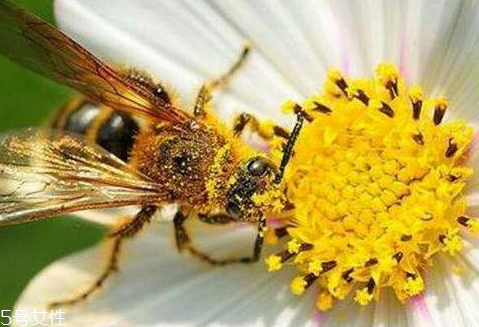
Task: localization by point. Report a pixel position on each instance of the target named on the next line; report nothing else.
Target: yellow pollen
(325, 301)
(386, 73)
(362, 296)
(273, 263)
(294, 246)
(298, 285)
(377, 182)
(415, 93)
(473, 227)
(288, 107)
(413, 286)
(334, 75)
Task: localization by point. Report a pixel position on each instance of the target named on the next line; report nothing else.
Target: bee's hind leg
(204, 95)
(120, 234)
(183, 240)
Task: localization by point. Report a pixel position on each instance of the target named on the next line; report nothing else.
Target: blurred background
(27, 99)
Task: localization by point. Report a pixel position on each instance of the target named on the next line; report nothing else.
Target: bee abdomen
(114, 131)
(117, 133)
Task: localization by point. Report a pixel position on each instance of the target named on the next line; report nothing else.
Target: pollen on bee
(377, 182)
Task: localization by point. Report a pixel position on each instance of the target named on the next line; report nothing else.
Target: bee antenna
(293, 136)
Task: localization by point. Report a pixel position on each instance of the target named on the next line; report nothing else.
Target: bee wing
(35, 44)
(45, 173)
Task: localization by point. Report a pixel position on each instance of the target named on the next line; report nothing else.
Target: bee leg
(266, 129)
(120, 234)
(183, 240)
(204, 95)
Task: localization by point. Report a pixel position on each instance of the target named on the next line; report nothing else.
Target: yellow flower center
(377, 184)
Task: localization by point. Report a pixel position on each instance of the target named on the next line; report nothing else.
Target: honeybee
(96, 154)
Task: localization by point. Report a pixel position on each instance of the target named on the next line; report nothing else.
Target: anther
(321, 108)
(463, 220)
(388, 74)
(371, 285)
(298, 110)
(371, 262)
(398, 256)
(416, 96)
(439, 110)
(451, 149)
(343, 86)
(328, 265)
(418, 138)
(346, 275)
(427, 217)
(309, 279)
(453, 178)
(285, 255)
(386, 109)
(406, 237)
(305, 247)
(361, 96)
(335, 76)
(409, 275)
(442, 238)
(392, 86)
(281, 132)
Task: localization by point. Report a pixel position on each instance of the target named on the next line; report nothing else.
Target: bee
(126, 142)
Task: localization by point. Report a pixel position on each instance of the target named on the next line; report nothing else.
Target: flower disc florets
(377, 183)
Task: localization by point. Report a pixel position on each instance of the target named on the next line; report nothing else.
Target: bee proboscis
(99, 157)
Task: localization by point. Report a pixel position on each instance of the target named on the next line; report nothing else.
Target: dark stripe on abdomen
(117, 134)
(112, 130)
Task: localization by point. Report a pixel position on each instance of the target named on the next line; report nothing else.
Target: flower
(377, 182)
(434, 44)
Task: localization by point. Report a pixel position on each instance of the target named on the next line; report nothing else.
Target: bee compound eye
(233, 209)
(258, 166)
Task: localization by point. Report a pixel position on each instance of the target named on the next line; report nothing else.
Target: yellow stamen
(377, 181)
(298, 285)
(363, 297)
(413, 286)
(325, 301)
(294, 246)
(473, 227)
(273, 262)
(288, 107)
(415, 93)
(386, 73)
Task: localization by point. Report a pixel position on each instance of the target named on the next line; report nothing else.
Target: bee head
(253, 179)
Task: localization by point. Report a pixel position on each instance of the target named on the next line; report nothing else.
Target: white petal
(449, 299)
(449, 66)
(180, 43)
(389, 311)
(472, 189)
(157, 286)
(295, 42)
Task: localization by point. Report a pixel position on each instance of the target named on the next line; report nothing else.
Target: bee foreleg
(204, 95)
(258, 244)
(120, 234)
(183, 241)
(266, 129)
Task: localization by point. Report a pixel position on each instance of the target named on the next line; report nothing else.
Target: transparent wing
(35, 44)
(45, 173)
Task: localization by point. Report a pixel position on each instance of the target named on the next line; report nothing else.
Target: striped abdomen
(115, 131)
